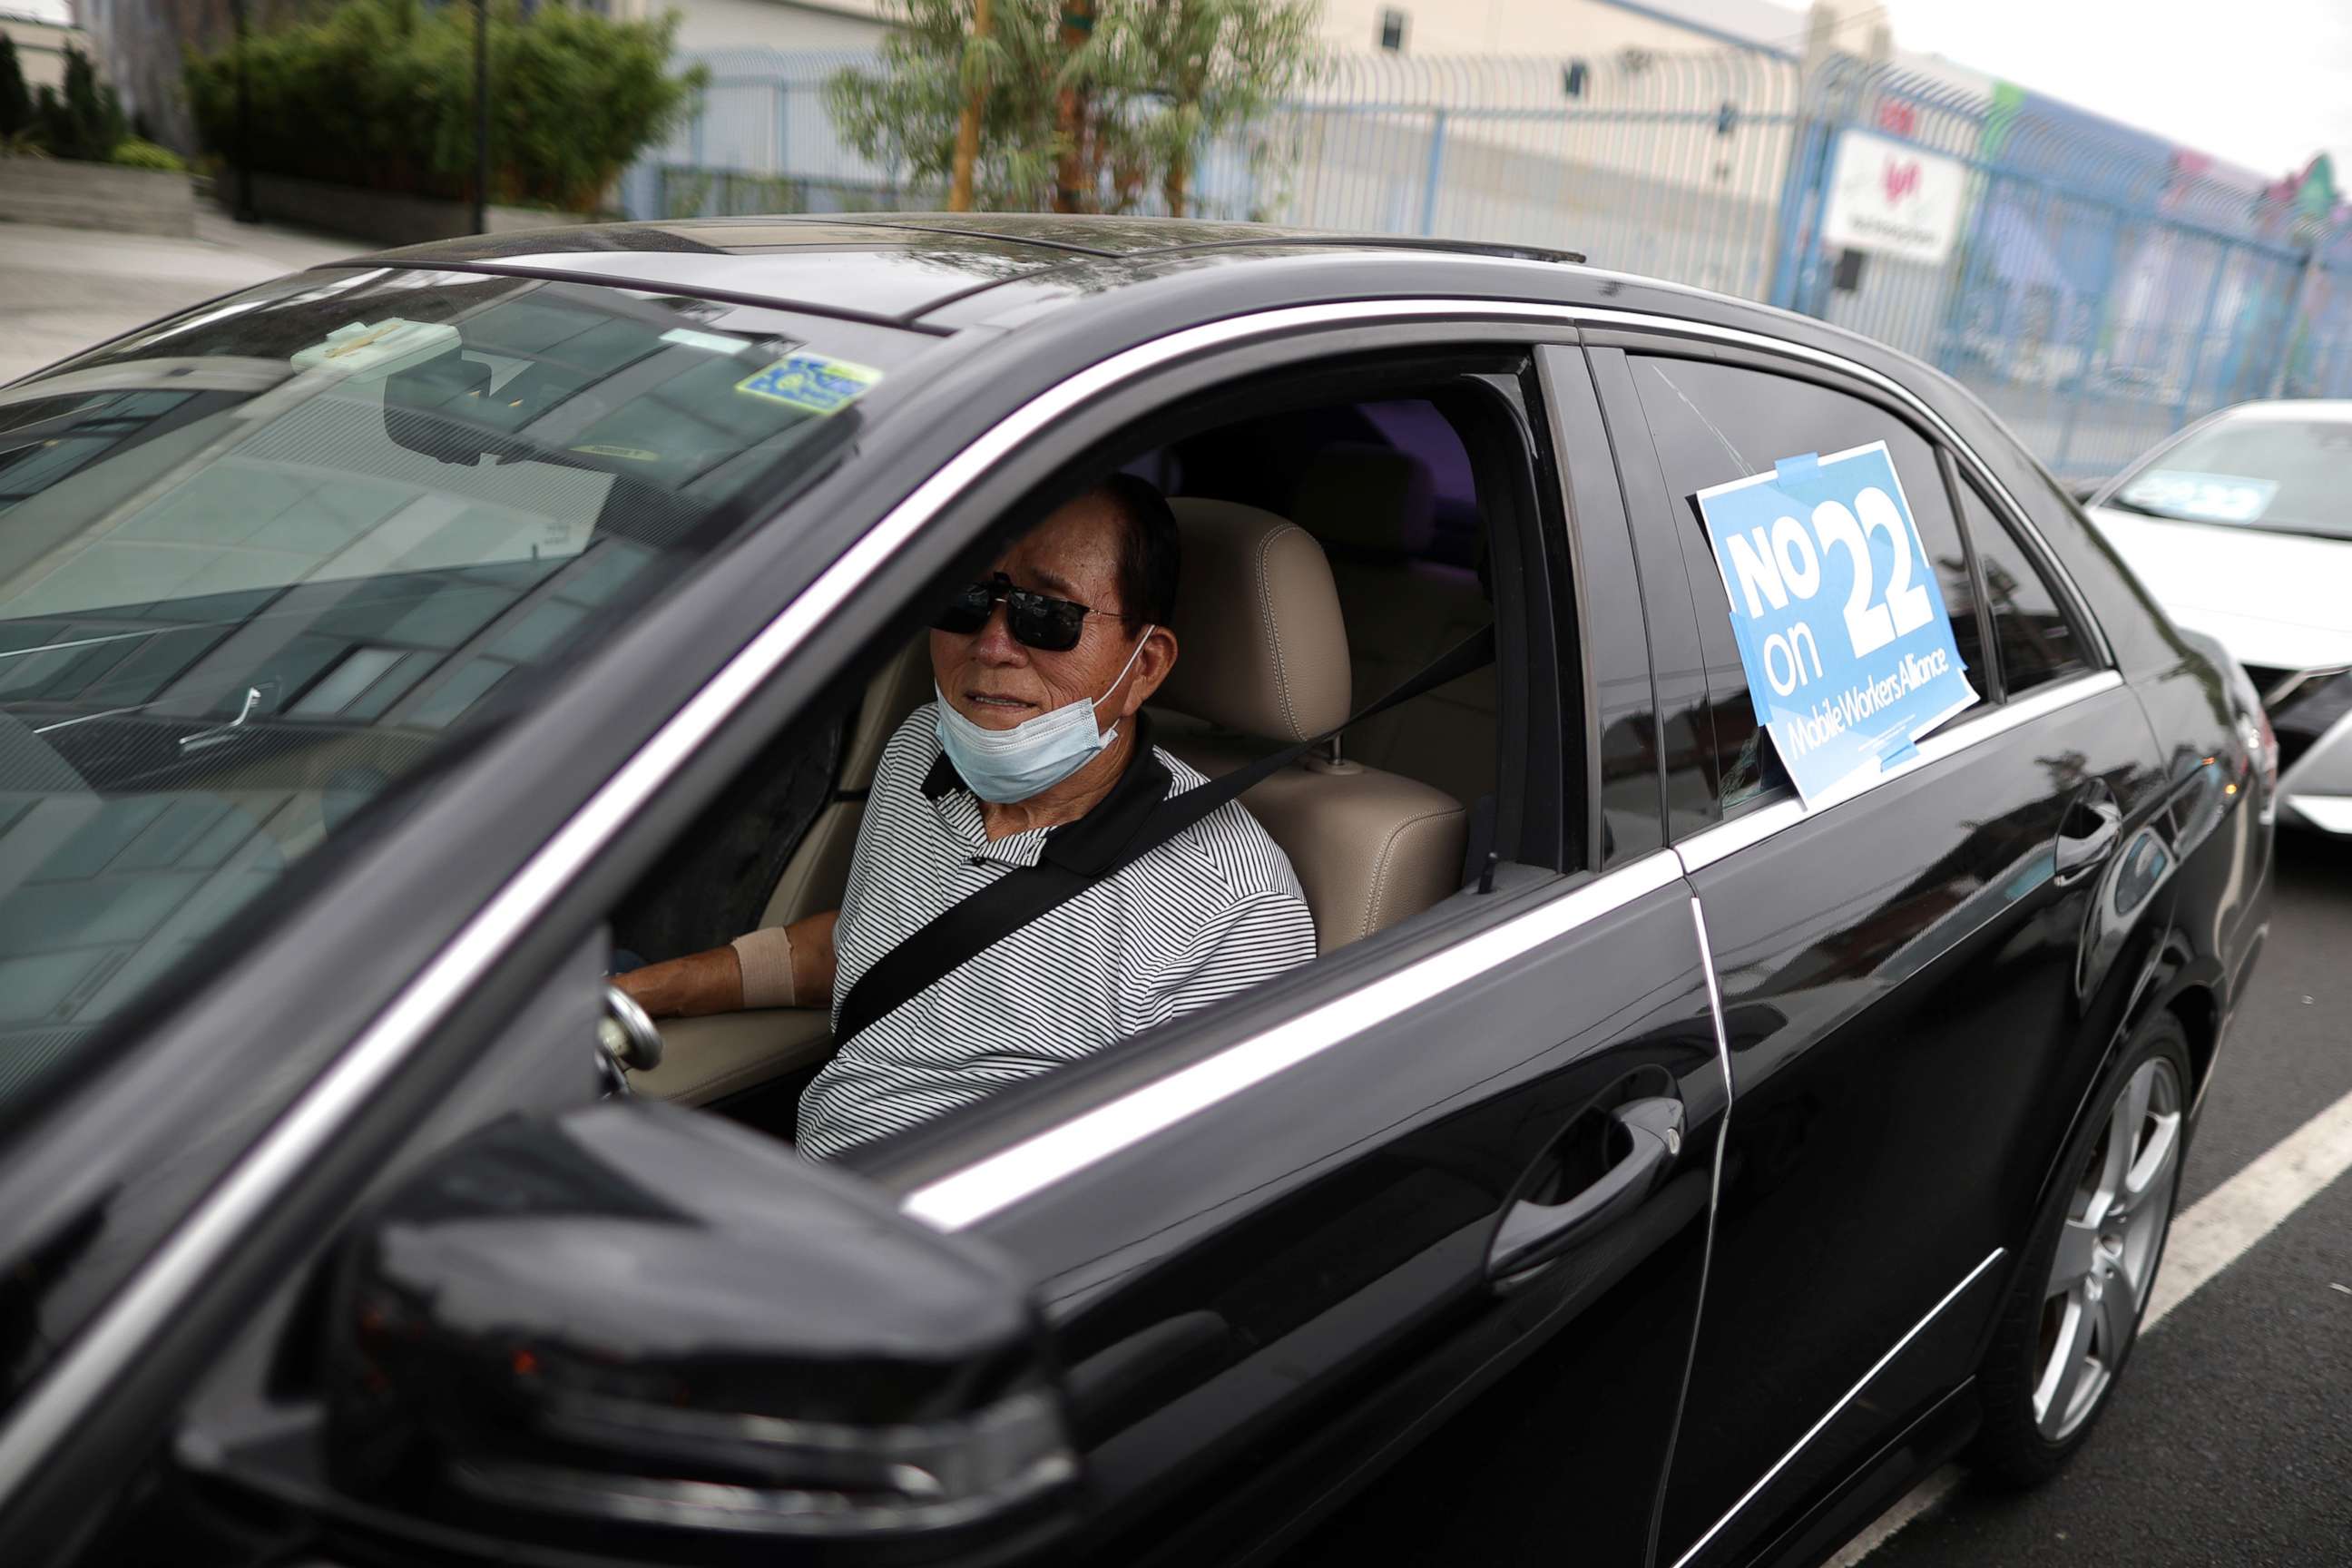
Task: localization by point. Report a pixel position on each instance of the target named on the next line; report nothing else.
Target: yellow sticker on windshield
(811, 383)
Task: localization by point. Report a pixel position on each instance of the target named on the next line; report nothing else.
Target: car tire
(2068, 1328)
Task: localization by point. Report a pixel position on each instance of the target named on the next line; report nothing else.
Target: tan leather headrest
(1261, 644)
(1373, 499)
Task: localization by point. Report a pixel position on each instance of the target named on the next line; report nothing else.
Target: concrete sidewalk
(62, 289)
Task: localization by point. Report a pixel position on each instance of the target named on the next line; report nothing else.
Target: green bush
(87, 121)
(379, 94)
(132, 152)
(15, 98)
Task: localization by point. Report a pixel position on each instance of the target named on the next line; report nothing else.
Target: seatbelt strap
(971, 925)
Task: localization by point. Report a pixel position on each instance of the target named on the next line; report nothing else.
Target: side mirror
(644, 1333)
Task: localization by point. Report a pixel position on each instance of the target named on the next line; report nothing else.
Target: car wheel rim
(2108, 1250)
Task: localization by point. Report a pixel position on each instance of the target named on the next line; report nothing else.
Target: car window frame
(1643, 332)
(1646, 346)
(905, 1160)
(1944, 450)
(1596, 524)
(1962, 488)
(1996, 675)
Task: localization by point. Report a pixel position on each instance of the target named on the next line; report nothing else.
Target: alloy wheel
(2108, 1249)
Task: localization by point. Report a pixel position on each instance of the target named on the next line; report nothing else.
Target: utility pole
(481, 116)
(966, 147)
(243, 212)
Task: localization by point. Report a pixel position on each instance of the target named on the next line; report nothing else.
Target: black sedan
(1657, 1165)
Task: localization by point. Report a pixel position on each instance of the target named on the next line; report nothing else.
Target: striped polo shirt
(1213, 910)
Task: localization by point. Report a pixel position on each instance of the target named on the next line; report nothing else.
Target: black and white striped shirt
(1213, 910)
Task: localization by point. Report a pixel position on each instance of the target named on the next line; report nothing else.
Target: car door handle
(2087, 834)
(1533, 1233)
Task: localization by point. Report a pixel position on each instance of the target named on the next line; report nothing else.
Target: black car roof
(896, 267)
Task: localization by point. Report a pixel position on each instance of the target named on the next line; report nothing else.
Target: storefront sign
(1895, 199)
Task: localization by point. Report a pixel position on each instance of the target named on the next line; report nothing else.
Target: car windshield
(261, 562)
(2282, 474)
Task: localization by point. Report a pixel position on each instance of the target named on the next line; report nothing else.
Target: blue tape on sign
(1842, 629)
(1804, 470)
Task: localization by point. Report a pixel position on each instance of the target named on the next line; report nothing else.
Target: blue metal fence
(2319, 348)
(1667, 163)
(2108, 287)
(2104, 288)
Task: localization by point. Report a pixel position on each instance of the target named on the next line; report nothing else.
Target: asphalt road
(2229, 1440)
(62, 289)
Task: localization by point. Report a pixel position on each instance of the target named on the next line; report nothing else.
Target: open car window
(261, 563)
(1418, 510)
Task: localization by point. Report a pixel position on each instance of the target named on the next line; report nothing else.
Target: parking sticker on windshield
(1846, 642)
(811, 383)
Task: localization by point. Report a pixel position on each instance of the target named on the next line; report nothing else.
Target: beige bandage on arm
(765, 958)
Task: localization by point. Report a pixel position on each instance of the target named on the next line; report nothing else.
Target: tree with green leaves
(84, 121)
(379, 94)
(1078, 105)
(15, 98)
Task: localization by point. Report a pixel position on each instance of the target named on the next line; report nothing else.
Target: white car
(2242, 526)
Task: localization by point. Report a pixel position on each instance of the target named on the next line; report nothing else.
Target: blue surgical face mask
(1002, 766)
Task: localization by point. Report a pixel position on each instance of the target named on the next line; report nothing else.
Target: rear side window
(1714, 423)
(2036, 643)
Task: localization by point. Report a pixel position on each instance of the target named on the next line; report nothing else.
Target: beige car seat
(1263, 657)
(704, 1059)
(818, 873)
(1371, 507)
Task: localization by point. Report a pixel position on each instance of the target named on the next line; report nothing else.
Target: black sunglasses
(1035, 620)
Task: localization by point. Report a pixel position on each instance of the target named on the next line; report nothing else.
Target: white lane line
(2206, 1241)
(2251, 1205)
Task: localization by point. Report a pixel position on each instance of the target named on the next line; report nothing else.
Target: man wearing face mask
(1035, 748)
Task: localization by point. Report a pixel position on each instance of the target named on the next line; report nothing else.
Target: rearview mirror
(434, 407)
(648, 1332)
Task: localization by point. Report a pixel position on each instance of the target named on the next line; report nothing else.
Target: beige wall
(776, 24)
(41, 50)
(1592, 29)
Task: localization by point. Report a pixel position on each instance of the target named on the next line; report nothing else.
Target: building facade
(42, 31)
(1591, 29)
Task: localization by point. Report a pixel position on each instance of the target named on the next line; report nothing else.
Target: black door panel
(1917, 982)
(1305, 1265)
(1910, 1030)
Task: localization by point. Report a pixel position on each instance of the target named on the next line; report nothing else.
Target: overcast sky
(2265, 83)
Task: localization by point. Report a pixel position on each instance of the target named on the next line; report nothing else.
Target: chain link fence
(2099, 288)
